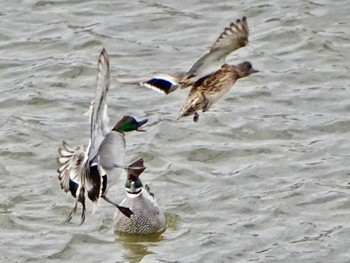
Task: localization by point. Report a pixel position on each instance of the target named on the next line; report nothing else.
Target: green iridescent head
(133, 183)
(129, 123)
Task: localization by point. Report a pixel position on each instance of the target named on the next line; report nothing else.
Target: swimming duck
(92, 168)
(232, 38)
(147, 216)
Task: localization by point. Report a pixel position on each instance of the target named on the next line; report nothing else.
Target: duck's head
(129, 123)
(133, 184)
(245, 69)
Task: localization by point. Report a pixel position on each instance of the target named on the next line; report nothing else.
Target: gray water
(261, 178)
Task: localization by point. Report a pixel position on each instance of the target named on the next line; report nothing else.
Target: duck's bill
(132, 188)
(254, 70)
(140, 123)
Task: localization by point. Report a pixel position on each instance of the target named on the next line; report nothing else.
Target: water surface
(261, 178)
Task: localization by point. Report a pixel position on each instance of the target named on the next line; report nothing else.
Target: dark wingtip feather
(135, 169)
(160, 85)
(103, 53)
(126, 211)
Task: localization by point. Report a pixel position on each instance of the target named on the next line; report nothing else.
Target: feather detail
(164, 83)
(207, 90)
(232, 38)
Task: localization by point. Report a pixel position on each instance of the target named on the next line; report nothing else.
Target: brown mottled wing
(194, 102)
(209, 89)
(216, 82)
(232, 38)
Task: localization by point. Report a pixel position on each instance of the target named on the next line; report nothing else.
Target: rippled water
(261, 178)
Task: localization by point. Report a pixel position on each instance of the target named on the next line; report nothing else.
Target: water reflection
(138, 246)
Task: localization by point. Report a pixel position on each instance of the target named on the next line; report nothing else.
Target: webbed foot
(195, 117)
(125, 210)
(72, 212)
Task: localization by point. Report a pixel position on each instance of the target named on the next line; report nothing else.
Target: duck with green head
(95, 167)
(127, 124)
(148, 217)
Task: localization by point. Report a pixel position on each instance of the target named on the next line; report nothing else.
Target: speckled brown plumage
(232, 38)
(209, 89)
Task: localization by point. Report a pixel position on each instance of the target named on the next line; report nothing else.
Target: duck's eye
(249, 65)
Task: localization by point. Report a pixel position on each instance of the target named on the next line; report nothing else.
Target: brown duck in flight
(210, 77)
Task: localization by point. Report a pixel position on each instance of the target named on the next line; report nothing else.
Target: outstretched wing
(72, 167)
(72, 173)
(99, 119)
(164, 83)
(93, 181)
(232, 38)
(79, 169)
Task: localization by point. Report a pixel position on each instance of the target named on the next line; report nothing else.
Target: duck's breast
(112, 150)
(148, 217)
